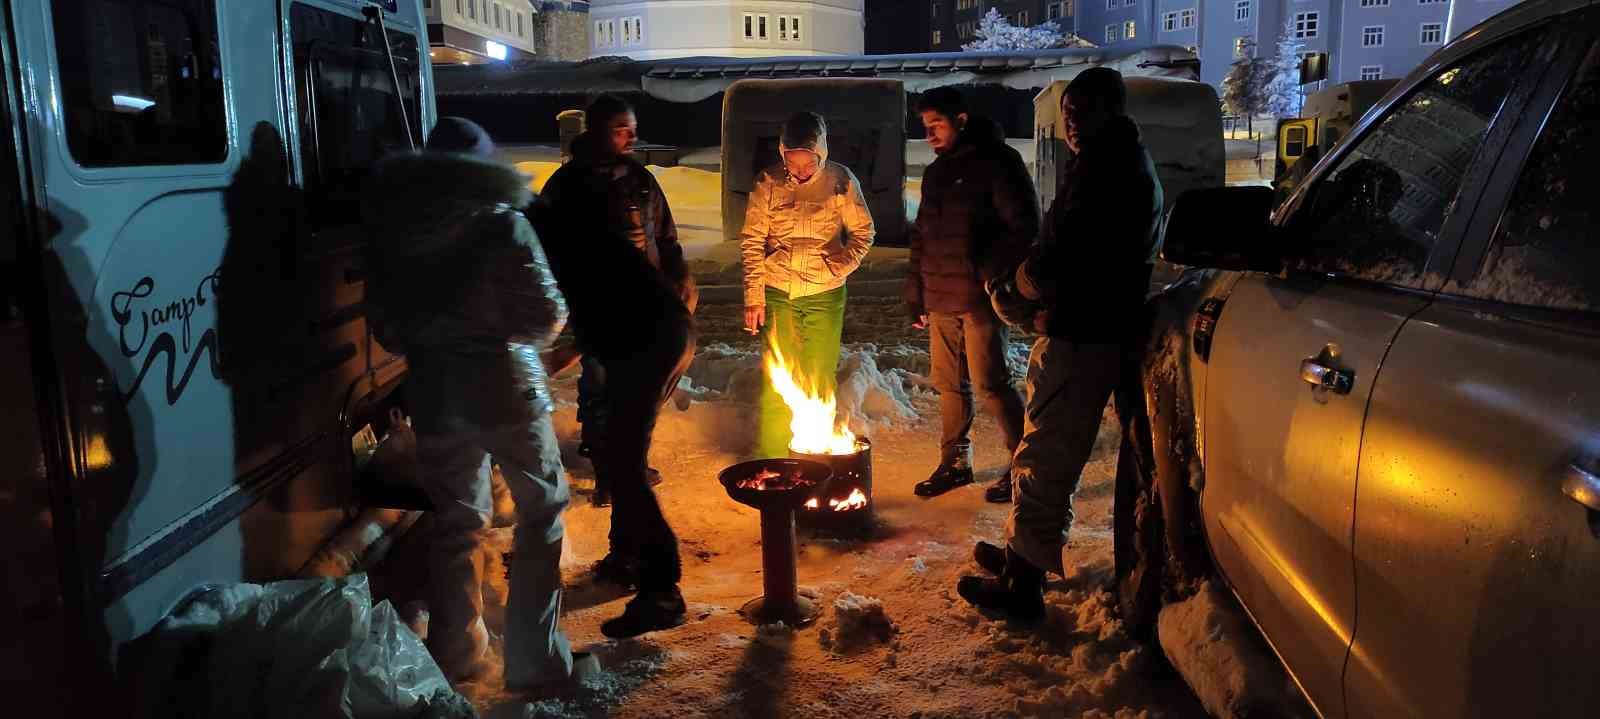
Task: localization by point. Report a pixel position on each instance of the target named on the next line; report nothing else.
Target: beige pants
(1068, 387)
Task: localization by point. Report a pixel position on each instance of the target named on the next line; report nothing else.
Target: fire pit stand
(780, 600)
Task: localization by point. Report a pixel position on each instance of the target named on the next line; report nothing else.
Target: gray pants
(455, 471)
(968, 353)
(1068, 387)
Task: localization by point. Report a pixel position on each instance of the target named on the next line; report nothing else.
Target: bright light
(815, 427)
(132, 103)
(494, 49)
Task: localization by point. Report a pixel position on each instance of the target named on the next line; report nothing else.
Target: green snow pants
(807, 331)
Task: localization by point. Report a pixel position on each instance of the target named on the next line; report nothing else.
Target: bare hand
(921, 323)
(754, 317)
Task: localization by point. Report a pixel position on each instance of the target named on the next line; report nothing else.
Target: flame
(815, 427)
(812, 503)
(856, 500)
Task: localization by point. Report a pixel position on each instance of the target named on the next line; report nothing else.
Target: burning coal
(856, 500)
(768, 480)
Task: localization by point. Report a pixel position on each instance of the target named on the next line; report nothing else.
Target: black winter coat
(607, 229)
(978, 217)
(1092, 265)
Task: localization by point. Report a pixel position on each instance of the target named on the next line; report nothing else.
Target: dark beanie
(1104, 85)
(803, 130)
(603, 110)
(461, 136)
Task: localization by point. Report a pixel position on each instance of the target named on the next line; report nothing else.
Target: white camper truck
(183, 336)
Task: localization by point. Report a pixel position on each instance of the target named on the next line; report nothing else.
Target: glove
(1009, 304)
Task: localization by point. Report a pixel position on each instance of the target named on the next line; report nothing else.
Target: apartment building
(657, 29)
(470, 32)
(1364, 39)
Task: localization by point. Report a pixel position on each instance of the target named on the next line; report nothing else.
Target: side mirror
(1225, 228)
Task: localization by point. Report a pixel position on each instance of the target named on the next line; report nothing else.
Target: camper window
(347, 109)
(141, 82)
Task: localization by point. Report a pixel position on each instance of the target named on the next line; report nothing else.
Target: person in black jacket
(637, 209)
(636, 321)
(978, 217)
(1086, 281)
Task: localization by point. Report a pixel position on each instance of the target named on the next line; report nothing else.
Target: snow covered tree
(1242, 88)
(1280, 85)
(997, 33)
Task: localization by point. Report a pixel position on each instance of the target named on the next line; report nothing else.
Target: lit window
(1372, 36)
(1241, 10)
(1186, 18)
(1305, 24)
(1432, 33)
(1372, 72)
(1128, 30)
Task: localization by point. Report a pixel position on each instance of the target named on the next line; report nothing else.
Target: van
(186, 352)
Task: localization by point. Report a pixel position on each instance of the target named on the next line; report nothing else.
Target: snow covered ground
(895, 640)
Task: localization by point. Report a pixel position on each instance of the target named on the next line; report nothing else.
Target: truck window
(1378, 214)
(1546, 250)
(348, 110)
(141, 82)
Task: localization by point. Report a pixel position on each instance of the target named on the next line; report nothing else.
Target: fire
(856, 500)
(815, 427)
(812, 503)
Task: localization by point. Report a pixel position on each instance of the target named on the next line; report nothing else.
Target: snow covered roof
(696, 78)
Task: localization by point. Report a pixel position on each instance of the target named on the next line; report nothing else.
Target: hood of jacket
(816, 143)
(420, 202)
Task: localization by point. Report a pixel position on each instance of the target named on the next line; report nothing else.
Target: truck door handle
(1582, 486)
(1319, 375)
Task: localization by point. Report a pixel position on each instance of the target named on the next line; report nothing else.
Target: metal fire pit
(780, 600)
(850, 472)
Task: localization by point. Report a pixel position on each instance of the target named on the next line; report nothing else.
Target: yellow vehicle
(1326, 117)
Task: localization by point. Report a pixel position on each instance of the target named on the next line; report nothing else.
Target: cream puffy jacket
(803, 238)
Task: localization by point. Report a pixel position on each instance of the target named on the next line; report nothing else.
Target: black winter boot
(650, 611)
(1000, 491)
(1017, 593)
(947, 477)
(990, 557)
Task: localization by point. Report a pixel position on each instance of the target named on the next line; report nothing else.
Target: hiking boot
(990, 557)
(619, 570)
(648, 612)
(1018, 593)
(944, 479)
(1000, 491)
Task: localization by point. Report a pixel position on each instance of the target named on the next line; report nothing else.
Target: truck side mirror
(1226, 228)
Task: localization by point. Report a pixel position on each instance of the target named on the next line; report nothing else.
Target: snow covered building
(659, 29)
(1364, 39)
(470, 32)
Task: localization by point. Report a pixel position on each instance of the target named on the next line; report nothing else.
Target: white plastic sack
(293, 650)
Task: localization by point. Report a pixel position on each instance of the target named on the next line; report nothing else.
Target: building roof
(696, 78)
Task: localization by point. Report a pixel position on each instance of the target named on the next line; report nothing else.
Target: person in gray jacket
(460, 285)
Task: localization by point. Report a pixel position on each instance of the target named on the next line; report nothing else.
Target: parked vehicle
(190, 342)
(1372, 411)
(1325, 118)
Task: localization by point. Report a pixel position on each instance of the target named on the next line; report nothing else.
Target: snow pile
(726, 371)
(857, 620)
(872, 398)
(1218, 652)
(599, 694)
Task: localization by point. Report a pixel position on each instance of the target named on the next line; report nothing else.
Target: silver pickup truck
(1373, 411)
